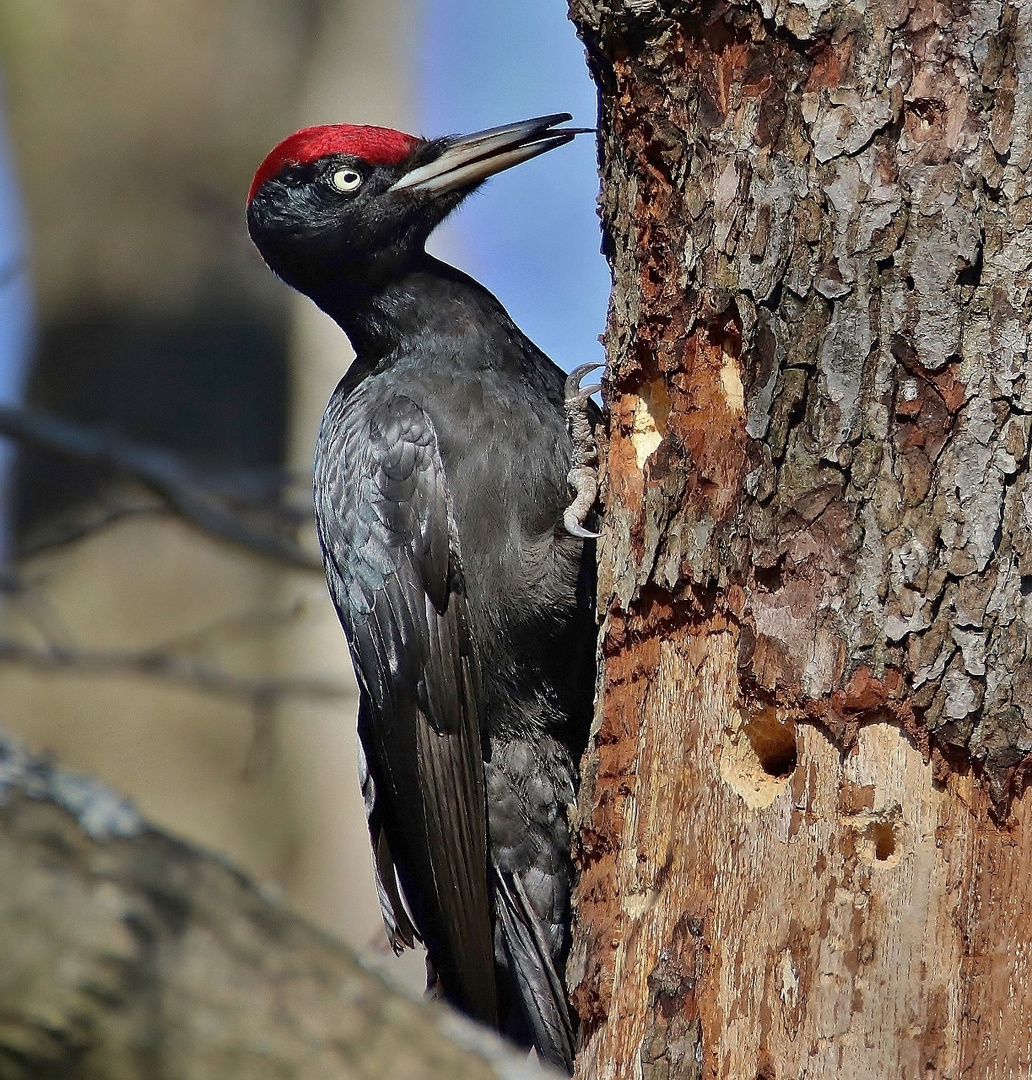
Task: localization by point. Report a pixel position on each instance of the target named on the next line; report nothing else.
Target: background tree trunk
(804, 843)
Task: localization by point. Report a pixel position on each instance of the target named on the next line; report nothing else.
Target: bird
(454, 483)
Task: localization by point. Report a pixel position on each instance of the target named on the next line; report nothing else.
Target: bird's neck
(425, 301)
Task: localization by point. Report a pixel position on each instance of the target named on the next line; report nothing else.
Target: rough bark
(804, 839)
(128, 955)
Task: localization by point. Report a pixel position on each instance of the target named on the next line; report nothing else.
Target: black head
(347, 203)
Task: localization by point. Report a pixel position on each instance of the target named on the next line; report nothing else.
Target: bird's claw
(583, 476)
(583, 394)
(584, 481)
(571, 526)
(573, 380)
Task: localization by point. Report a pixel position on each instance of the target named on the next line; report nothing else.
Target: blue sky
(15, 304)
(530, 235)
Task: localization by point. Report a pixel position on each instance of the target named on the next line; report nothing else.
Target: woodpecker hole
(759, 756)
(770, 578)
(773, 742)
(878, 835)
(882, 837)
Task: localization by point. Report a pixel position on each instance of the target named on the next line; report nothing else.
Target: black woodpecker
(453, 478)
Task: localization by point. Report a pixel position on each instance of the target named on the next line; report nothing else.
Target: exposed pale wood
(866, 924)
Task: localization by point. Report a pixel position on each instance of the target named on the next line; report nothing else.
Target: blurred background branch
(172, 668)
(124, 948)
(244, 507)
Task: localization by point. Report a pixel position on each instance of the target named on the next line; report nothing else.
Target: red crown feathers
(377, 145)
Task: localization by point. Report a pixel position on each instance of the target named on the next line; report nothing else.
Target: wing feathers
(394, 567)
(400, 932)
(450, 787)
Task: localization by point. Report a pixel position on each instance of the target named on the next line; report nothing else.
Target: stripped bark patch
(650, 409)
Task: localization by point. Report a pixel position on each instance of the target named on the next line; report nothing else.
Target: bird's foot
(583, 476)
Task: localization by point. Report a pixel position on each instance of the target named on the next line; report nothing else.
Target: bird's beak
(471, 158)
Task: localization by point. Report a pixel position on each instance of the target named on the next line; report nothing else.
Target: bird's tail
(540, 987)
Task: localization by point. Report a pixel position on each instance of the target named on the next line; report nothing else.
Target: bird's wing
(394, 569)
(400, 932)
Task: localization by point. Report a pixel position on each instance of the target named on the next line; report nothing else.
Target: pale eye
(346, 179)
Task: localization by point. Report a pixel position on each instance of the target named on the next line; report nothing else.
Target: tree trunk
(804, 844)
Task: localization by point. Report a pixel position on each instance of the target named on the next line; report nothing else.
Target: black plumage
(441, 481)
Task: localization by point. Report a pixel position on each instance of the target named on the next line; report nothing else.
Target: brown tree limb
(127, 954)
